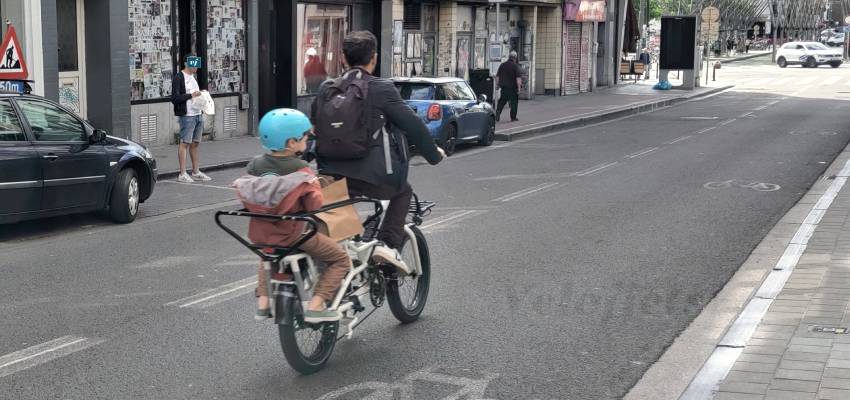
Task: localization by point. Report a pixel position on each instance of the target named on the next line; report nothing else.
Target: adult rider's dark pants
(392, 229)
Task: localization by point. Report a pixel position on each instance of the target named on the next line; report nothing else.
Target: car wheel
(491, 133)
(835, 64)
(450, 144)
(781, 62)
(124, 202)
(811, 63)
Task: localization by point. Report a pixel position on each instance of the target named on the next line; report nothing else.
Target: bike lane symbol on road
(468, 388)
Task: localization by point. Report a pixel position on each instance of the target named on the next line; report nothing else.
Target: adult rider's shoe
(315, 317)
(384, 254)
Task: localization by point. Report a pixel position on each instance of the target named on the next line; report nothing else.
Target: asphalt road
(564, 266)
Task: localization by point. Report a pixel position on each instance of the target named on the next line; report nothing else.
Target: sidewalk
(739, 57)
(543, 114)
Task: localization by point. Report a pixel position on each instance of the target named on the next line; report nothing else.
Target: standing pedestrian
(509, 81)
(747, 46)
(184, 87)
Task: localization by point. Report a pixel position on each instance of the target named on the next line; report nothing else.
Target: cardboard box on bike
(339, 223)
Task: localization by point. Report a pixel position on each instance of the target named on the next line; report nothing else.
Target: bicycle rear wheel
(407, 295)
(307, 347)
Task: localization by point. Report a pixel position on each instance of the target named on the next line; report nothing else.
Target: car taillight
(435, 113)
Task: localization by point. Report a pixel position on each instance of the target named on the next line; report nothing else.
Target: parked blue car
(451, 111)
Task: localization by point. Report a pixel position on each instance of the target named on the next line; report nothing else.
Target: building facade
(112, 61)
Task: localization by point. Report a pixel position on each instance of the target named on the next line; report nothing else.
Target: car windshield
(415, 91)
(816, 46)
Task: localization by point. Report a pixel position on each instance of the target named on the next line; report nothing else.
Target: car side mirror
(482, 98)
(98, 136)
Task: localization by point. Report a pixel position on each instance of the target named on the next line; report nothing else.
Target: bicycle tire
(305, 364)
(400, 310)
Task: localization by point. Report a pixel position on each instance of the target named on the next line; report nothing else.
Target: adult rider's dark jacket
(385, 106)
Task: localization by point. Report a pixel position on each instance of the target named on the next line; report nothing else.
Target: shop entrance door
(72, 55)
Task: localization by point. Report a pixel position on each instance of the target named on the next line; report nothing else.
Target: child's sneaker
(263, 314)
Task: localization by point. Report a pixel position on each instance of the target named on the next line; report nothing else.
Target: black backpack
(341, 121)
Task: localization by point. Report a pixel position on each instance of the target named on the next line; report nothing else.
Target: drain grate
(830, 329)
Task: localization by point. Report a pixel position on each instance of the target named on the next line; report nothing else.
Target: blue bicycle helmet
(280, 125)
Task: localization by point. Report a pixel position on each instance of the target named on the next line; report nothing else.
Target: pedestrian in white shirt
(184, 87)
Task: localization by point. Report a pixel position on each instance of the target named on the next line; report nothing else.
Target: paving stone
(788, 395)
(768, 342)
(841, 347)
(798, 356)
(737, 396)
(808, 349)
(798, 375)
(835, 383)
(760, 367)
(772, 335)
(843, 373)
(802, 365)
(743, 376)
(812, 341)
(778, 350)
(794, 385)
(760, 358)
(833, 394)
(840, 355)
(838, 363)
(744, 387)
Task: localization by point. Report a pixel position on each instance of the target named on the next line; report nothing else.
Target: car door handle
(50, 157)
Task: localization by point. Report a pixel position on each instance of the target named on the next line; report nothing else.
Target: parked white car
(836, 40)
(807, 54)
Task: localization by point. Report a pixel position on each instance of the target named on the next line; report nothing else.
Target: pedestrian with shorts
(184, 87)
(509, 81)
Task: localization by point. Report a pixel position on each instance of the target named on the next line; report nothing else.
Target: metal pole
(253, 66)
(773, 29)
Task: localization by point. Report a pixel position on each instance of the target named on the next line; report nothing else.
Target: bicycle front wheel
(407, 295)
(307, 347)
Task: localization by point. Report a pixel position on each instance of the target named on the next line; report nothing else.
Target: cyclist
(282, 183)
(381, 172)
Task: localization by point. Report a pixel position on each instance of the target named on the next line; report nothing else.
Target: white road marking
(403, 389)
(42, 353)
(775, 102)
(728, 121)
(679, 139)
(642, 152)
(745, 115)
(847, 83)
(762, 108)
(831, 80)
(527, 192)
(450, 219)
(700, 118)
(594, 169)
(806, 81)
(199, 184)
(706, 130)
(732, 344)
(782, 81)
(214, 296)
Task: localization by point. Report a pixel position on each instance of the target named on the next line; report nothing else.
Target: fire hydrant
(714, 71)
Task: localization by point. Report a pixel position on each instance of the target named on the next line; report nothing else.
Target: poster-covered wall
(225, 46)
(151, 65)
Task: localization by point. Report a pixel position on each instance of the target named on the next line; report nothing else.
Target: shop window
(66, 35)
(321, 29)
(225, 55)
(464, 19)
(151, 65)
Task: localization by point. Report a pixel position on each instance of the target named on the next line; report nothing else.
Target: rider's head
(360, 49)
(284, 129)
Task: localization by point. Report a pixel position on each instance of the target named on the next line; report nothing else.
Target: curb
(731, 60)
(596, 118)
(205, 168)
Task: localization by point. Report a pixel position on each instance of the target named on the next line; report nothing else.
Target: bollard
(714, 71)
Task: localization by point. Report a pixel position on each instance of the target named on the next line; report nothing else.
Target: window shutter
(413, 15)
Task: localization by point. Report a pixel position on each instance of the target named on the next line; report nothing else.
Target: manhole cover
(830, 329)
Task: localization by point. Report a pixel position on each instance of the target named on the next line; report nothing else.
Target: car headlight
(147, 154)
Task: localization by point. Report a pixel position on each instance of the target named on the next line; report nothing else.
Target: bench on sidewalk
(632, 68)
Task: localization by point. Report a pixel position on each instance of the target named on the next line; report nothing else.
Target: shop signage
(571, 8)
(592, 10)
(12, 64)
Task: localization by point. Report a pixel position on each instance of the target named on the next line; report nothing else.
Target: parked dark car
(451, 111)
(52, 162)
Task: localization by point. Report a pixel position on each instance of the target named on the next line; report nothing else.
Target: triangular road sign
(12, 64)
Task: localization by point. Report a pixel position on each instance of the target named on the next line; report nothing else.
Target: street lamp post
(773, 29)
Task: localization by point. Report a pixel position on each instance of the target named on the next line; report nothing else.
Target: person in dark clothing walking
(382, 172)
(509, 81)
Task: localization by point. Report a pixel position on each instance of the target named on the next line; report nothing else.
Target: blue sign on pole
(12, 86)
